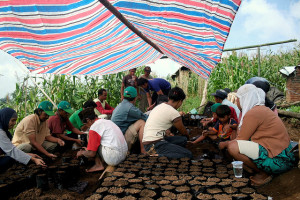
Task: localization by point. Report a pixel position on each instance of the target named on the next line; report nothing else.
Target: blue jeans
(171, 147)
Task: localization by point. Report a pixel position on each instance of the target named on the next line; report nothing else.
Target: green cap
(130, 92)
(214, 107)
(64, 105)
(47, 107)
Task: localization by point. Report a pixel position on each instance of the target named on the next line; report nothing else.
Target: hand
(34, 155)
(38, 161)
(52, 156)
(79, 142)
(60, 142)
(181, 113)
(226, 128)
(79, 153)
(168, 133)
(205, 132)
(151, 107)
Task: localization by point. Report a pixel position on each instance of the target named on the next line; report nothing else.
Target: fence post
(258, 54)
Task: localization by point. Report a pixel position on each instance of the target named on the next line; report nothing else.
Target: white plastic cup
(237, 168)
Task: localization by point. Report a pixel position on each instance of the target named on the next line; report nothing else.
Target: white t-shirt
(160, 119)
(110, 136)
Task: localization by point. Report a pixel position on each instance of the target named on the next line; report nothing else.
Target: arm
(50, 138)
(39, 147)
(149, 98)
(64, 137)
(11, 150)
(177, 122)
(104, 111)
(137, 114)
(93, 145)
(78, 132)
(159, 92)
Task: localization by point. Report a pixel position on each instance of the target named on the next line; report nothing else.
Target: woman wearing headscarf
(8, 152)
(263, 143)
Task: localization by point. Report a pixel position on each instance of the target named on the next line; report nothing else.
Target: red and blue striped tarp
(83, 37)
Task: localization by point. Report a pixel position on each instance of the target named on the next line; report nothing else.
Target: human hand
(168, 133)
(226, 128)
(60, 142)
(34, 155)
(181, 113)
(38, 161)
(80, 153)
(52, 156)
(79, 142)
(205, 132)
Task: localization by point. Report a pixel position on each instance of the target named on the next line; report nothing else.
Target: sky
(256, 22)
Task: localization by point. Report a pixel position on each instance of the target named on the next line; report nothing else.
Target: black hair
(141, 81)
(89, 104)
(129, 98)
(223, 110)
(162, 99)
(100, 92)
(38, 111)
(176, 94)
(87, 114)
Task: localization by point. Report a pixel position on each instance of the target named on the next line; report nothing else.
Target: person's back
(111, 134)
(157, 84)
(120, 115)
(160, 119)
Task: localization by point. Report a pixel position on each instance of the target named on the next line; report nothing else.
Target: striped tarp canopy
(88, 37)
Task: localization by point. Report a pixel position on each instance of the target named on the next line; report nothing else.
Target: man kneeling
(106, 141)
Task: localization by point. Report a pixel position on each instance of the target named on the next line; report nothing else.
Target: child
(224, 129)
(205, 122)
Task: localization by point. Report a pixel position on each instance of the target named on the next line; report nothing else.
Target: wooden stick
(114, 11)
(289, 114)
(288, 104)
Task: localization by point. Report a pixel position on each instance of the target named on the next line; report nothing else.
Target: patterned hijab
(5, 115)
(249, 96)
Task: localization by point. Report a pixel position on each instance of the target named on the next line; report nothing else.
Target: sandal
(258, 184)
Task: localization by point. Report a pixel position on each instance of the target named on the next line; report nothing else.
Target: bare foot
(95, 168)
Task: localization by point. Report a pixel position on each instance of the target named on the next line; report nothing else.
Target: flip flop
(265, 181)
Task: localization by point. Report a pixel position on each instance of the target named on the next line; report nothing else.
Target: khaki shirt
(30, 125)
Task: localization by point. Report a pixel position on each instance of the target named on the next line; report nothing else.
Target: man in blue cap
(32, 133)
(60, 122)
(130, 119)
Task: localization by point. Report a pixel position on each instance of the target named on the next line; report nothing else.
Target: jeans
(171, 147)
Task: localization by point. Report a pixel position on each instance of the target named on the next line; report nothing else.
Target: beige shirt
(264, 127)
(30, 125)
(160, 119)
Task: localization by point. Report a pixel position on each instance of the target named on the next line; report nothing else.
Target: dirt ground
(284, 186)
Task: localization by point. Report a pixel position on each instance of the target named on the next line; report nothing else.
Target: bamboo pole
(289, 114)
(114, 11)
(203, 100)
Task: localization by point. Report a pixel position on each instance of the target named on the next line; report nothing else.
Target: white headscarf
(249, 96)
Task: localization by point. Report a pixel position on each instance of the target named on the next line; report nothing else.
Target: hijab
(249, 96)
(5, 115)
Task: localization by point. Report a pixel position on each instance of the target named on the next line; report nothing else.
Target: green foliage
(235, 70)
(295, 109)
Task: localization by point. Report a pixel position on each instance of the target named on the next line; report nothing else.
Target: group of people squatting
(248, 128)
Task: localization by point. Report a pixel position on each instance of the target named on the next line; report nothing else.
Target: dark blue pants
(5, 163)
(171, 147)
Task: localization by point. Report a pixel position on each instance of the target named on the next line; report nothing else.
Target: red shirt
(107, 110)
(58, 126)
(94, 141)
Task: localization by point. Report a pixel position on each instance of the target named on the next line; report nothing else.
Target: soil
(284, 186)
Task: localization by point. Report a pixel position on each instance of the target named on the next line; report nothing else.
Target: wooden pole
(203, 101)
(289, 114)
(114, 11)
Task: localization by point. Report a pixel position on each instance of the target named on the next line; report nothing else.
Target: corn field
(231, 73)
